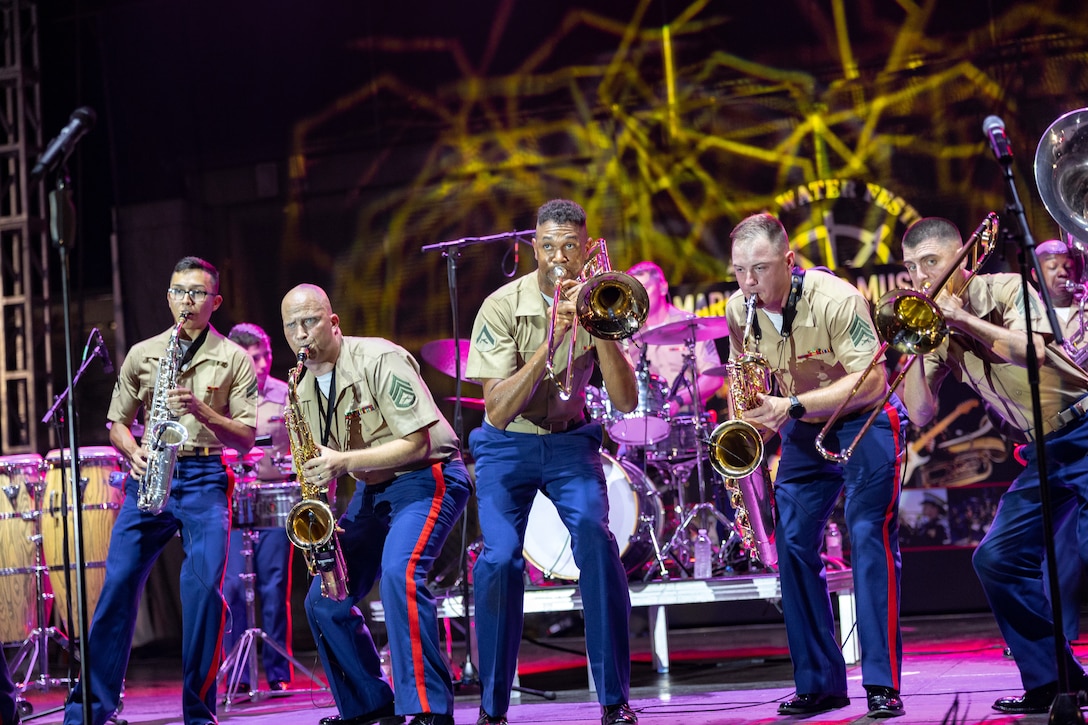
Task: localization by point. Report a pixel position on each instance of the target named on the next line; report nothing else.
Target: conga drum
(20, 483)
(101, 503)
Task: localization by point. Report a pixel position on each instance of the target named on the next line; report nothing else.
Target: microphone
(103, 352)
(58, 150)
(994, 128)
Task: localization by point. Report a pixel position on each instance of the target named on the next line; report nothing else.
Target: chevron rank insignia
(401, 393)
(485, 341)
(861, 334)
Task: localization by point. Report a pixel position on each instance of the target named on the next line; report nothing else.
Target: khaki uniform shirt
(379, 397)
(511, 324)
(998, 298)
(276, 463)
(220, 374)
(832, 335)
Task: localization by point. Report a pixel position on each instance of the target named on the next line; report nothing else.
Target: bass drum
(634, 511)
(20, 482)
(101, 504)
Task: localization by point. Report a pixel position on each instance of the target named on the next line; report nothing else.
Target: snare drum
(680, 443)
(634, 510)
(649, 421)
(101, 503)
(20, 483)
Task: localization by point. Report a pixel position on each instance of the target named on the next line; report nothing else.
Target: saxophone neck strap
(797, 282)
(191, 351)
(327, 413)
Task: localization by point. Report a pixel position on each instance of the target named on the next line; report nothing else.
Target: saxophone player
(366, 404)
(815, 332)
(214, 398)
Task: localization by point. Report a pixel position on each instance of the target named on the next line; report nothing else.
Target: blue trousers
(806, 490)
(1009, 559)
(272, 583)
(199, 510)
(510, 468)
(395, 531)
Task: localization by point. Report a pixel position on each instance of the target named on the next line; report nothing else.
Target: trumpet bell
(612, 305)
(1061, 171)
(910, 322)
(736, 448)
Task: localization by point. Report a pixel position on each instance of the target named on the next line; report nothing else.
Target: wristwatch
(797, 410)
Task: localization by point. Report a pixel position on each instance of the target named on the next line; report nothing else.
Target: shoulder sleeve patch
(401, 393)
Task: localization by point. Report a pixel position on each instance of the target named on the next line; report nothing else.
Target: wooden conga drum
(101, 504)
(20, 486)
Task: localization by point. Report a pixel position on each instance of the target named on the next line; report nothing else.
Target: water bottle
(704, 555)
(833, 542)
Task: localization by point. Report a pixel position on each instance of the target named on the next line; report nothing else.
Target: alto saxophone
(311, 525)
(736, 450)
(164, 434)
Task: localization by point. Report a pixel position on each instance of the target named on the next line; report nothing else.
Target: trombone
(912, 323)
(611, 306)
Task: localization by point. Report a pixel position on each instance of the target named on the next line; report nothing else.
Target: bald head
(308, 321)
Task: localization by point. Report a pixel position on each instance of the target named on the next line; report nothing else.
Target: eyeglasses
(195, 295)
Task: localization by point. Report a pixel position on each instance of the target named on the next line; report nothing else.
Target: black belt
(203, 451)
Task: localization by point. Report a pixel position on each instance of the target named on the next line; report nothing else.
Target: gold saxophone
(736, 451)
(164, 434)
(311, 524)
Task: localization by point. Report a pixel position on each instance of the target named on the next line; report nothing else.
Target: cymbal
(440, 354)
(719, 371)
(680, 331)
(470, 403)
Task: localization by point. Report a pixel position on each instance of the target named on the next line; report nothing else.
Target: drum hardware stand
(704, 509)
(244, 650)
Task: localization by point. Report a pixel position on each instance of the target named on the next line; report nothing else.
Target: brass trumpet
(611, 306)
(912, 323)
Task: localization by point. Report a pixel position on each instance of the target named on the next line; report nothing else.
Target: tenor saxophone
(311, 524)
(736, 451)
(164, 433)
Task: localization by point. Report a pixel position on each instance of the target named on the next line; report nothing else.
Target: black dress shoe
(620, 714)
(382, 716)
(1035, 700)
(809, 704)
(279, 688)
(486, 719)
(884, 702)
(431, 718)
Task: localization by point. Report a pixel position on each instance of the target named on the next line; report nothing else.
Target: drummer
(667, 361)
(272, 550)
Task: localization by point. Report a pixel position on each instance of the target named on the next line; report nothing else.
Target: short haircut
(932, 227)
(187, 263)
(247, 335)
(648, 268)
(561, 211)
(761, 225)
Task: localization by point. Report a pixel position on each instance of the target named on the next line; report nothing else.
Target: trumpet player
(374, 418)
(814, 332)
(534, 437)
(214, 398)
(987, 350)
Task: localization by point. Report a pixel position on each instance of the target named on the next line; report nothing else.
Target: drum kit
(652, 522)
(35, 545)
(256, 507)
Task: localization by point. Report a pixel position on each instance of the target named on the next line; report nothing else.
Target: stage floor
(953, 669)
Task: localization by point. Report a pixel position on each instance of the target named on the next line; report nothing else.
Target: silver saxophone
(164, 434)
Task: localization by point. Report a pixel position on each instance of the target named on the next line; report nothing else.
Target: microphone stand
(451, 250)
(1064, 708)
(62, 230)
